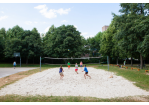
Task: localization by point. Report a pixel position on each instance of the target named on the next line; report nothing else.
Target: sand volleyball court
(48, 83)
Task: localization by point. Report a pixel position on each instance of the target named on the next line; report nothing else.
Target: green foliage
(31, 43)
(94, 44)
(107, 46)
(145, 46)
(125, 36)
(55, 43)
(15, 32)
(133, 8)
(27, 42)
(11, 46)
(2, 41)
(132, 27)
(58, 40)
(141, 30)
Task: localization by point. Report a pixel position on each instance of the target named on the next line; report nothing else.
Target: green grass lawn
(140, 77)
(38, 98)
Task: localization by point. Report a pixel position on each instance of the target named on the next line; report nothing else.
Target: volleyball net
(51, 60)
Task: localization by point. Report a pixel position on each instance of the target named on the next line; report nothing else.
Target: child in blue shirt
(86, 72)
(61, 72)
(14, 64)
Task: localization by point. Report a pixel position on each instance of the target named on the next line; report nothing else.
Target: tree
(135, 13)
(27, 42)
(94, 44)
(31, 44)
(85, 49)
(107, 44)
(61, 39)
(11, 46)
(46, 39)
(2, 42)
(13, 41)
(141, 29)
(15, 32)
(37, 46)
(125, 36)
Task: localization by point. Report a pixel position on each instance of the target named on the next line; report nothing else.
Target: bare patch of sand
(48, 83)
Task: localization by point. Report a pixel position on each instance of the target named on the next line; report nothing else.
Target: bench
(146, 70)
(135, 68)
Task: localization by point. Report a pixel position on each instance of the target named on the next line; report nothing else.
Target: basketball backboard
(16, 54)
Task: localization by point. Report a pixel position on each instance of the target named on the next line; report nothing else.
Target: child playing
(124, 62)
(81, 64)
(76, 68)
(61, 72)
(14, 64)
(68, 65)
(86, 72)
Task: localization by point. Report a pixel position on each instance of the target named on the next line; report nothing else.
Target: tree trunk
(131, 62)
(26, 60)
(117, 60)
(141, 61)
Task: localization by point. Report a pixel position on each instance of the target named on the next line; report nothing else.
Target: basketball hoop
(16, 54)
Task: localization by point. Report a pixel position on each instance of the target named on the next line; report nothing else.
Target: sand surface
(100, 85)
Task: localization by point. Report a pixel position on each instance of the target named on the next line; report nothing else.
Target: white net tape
(72, 58)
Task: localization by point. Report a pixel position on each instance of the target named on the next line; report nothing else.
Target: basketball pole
(20, 61)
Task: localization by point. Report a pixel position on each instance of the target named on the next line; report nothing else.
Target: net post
(20, 61)
(40, 63)
(108, 62)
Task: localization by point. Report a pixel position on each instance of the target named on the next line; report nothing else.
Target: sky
(88, 18)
